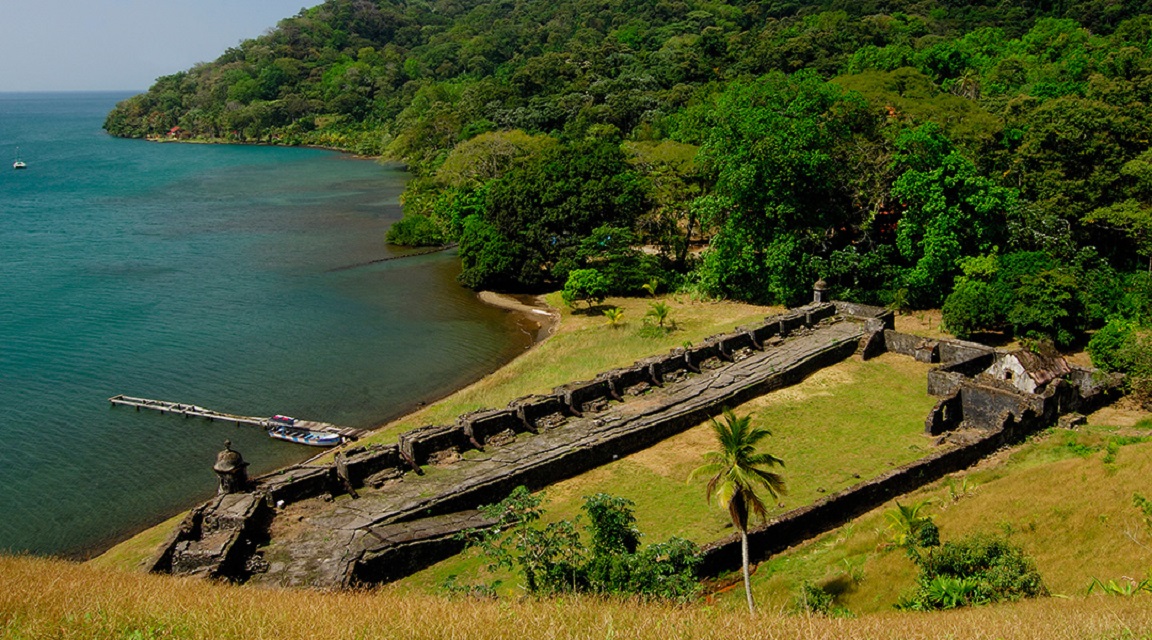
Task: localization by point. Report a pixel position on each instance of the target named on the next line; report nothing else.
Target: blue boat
(304, 436)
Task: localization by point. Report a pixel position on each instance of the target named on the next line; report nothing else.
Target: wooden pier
(194, 411)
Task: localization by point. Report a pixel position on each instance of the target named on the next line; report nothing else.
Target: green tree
(950, 211)
(555, 558)
(541, 210)
(1130, 218)
(588, 285)
(737, 471)
(776, 148)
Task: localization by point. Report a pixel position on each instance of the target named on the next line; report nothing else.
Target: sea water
(206, 274)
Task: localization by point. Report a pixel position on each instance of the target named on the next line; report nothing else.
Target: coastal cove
(206, 274)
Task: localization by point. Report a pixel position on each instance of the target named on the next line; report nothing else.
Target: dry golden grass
(56, 599)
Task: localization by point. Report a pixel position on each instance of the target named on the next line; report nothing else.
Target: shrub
(554, 558)
(812, 598)
(588, 285)
(966, 311)
(976, 570)
(1123, 346)
(415, 231)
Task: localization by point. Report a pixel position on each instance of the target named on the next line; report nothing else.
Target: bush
(415, 231)
(487, 259)
(1108, 347)
(976, 570)
(1126, 347)
(588, 285)
(554, 559)
(812, 598)
(966, 311)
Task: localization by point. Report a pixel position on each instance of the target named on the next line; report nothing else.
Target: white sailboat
(19, 164)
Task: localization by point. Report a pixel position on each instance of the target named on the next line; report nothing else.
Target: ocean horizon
(241, 278)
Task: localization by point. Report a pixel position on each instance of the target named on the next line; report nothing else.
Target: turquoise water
(202, 274)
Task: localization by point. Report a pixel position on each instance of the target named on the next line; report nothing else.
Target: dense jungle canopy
(991, 157)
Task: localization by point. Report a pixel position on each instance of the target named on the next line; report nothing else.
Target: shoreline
(525, 309)
(533, 309)
(531, 314)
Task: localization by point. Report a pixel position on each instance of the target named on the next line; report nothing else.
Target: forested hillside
(993, 158)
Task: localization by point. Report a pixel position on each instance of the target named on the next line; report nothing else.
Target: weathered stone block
(367, 462)
(819, 312)
(296, 483)
(790, 322)
(732, 343)
(532, 409)
(627, 378)
(697, 356)
(763, 332)
(420, 444)
(579, 395)
(479, 427)
(861, 312)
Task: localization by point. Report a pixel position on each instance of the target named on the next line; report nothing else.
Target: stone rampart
(582, 443)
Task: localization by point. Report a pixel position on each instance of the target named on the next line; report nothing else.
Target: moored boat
(304, 436)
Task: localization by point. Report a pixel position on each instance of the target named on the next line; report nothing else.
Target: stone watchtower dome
(820, 291)
(231, 469)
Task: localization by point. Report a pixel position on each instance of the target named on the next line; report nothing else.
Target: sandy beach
(533, 309)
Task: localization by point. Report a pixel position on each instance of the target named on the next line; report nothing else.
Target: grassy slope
(1056, 496)
(55, 599)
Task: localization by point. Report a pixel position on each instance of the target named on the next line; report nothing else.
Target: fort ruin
(410, 499)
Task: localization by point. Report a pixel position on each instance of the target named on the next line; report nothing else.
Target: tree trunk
(688, 241)
(747, 579)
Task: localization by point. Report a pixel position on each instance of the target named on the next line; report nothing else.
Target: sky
(98, 45)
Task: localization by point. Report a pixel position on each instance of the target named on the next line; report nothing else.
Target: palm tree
(736, 474)
(912, 528)
(615, 316)
(658, 311)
